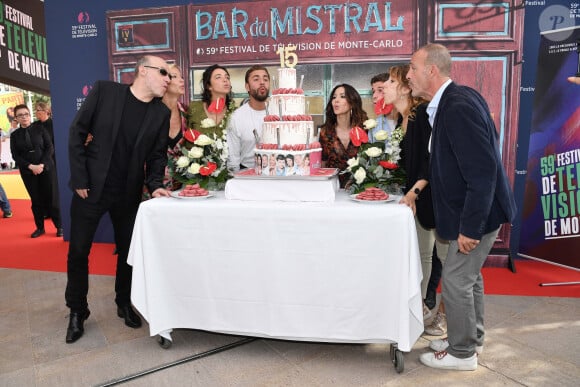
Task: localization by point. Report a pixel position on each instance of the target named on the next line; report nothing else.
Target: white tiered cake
(289, 145)
(288, 155)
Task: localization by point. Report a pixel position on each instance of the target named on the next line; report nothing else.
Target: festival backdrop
(551, 222)
(540, 16)
(23, 52)
(340, 41)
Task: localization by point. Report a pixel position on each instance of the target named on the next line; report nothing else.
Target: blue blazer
(470, 190)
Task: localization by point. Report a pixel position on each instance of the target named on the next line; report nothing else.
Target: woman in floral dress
(178, 120)
(211, 114)
(177, 124)
(343, 112)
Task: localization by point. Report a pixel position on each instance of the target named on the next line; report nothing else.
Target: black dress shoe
(75, 325)
(131, 318)
(59, 232)
(431, 298)
(38, 232)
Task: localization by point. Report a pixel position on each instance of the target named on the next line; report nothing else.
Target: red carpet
(526, 281)
(48, 253)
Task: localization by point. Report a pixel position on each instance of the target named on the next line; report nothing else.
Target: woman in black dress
(33, 151)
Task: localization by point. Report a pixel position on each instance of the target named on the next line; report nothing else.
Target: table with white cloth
(342, 271)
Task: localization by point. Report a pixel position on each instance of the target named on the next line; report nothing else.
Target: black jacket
(32, 145)
(415, 160)
(98, 120)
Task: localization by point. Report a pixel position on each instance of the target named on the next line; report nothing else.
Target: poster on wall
(23, 54)
(551, 213)
(249, 31)
(7, 103)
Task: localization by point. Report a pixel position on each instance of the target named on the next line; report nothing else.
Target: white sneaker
(426, 313)
(437, 326)
(443, 360)
(442, 344)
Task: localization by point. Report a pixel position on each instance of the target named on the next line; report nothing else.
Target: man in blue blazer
(117, 143)
(472, 198)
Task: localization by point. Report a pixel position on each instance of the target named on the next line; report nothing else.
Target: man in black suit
(117, 142)
(472, 198)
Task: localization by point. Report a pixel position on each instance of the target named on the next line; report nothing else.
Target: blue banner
(551, 212)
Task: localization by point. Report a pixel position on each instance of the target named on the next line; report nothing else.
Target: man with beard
(250, 116)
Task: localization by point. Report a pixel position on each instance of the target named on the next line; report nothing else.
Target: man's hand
(575, 80)
(466, 244)
(82, 192)
(160, 192)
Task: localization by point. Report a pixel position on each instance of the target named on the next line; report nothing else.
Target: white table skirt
(329, 272)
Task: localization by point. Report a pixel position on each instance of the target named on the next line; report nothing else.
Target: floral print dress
(172, 149)
(334, 153)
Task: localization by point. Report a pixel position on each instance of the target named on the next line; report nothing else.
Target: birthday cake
(289, 144)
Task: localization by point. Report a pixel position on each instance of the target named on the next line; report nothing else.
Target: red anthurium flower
(358, 136)
(208, 169)
(191, 135)
(381, 108)
(388, 165)
(217, 106)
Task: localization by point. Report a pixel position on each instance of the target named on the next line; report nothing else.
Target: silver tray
(319, 174)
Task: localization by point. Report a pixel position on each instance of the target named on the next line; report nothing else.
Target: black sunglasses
(162, 71)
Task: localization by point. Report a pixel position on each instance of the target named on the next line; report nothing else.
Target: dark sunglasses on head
(161, 70)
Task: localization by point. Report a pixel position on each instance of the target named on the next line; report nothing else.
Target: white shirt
(240, 136)
(434, 104)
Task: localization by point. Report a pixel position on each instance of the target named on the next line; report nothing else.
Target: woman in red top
(343, 112)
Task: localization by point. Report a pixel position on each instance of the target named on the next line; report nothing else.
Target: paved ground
(531, 341)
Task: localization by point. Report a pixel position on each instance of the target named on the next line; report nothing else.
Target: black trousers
(41, 190)
(85, 218)
(55, 198)
(436, 269)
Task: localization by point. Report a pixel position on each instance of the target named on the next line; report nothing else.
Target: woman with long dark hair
(343, 112)
(211, 114)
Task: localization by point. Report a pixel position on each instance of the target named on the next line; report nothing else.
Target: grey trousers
(427, 237)
(462, 291)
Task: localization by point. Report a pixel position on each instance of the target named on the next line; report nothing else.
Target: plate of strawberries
(372, 195)
(192, 192)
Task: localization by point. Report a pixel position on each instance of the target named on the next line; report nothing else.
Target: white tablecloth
(330, 272)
